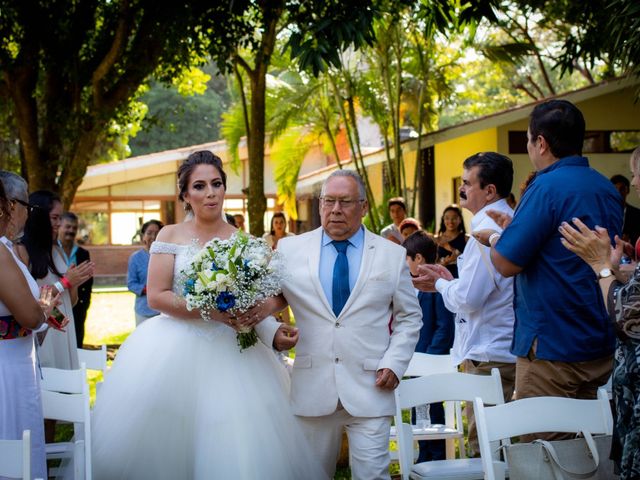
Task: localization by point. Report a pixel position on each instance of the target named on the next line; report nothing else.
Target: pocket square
(379, 278)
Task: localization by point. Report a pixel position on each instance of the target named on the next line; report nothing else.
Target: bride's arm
(160, 294)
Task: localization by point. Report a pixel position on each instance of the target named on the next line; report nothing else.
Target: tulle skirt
(182, 402)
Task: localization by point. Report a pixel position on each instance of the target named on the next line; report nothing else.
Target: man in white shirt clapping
(481, 298)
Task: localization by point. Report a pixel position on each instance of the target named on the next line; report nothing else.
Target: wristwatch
(604, 273)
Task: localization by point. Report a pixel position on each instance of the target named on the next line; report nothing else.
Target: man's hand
(285, 338)
(386, 379)
(482, 236)
(429, 275)
(502, 219)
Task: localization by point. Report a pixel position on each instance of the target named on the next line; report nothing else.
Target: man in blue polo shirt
(563, 338)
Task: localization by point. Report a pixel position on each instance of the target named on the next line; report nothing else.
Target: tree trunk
(256, 199)
(272, 11)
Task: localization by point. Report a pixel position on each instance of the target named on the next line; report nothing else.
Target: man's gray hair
(14, 185)
(348, 173)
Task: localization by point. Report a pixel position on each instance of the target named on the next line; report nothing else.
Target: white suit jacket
(337, 358)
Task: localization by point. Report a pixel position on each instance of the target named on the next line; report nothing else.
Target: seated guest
(631, 219)
(409, 226)
(452, 238)
(137, 271)
(436, 334)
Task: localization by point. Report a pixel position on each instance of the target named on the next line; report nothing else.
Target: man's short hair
(347, 173)
(620, 179)
(422, 243)
(562, 126)
(397, 201)
(494, 168)
(69, 216)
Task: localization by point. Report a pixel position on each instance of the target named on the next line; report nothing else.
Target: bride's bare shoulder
(178, 233)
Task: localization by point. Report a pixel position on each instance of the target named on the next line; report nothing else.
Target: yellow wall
(449, 156)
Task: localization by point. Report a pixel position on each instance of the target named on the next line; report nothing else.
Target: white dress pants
(368, 443)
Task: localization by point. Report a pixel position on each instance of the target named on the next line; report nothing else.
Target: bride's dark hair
(202, 157)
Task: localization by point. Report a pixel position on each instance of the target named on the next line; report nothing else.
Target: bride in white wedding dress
(181, 401)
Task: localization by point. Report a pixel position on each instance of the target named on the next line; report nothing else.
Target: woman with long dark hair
(452, 238)
(39, 251)
(278, 230)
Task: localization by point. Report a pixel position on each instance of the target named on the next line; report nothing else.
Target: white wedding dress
(182, 402)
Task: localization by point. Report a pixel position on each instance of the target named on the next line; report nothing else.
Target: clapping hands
(79, 274)
(429, 275)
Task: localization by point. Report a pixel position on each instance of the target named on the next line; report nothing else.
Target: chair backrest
(449, 386)
(65, 396)
(94, 359)
(422, 364)
(539, 414)
(65, 381)
(440, 387)
(15, 457)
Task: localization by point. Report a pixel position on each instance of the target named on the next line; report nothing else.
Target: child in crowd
(436, 335)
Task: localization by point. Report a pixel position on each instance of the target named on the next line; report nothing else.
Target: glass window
(93, 227)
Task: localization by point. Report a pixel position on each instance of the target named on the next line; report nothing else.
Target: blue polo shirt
(557, 297)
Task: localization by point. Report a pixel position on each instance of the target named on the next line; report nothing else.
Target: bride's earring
(187, 207)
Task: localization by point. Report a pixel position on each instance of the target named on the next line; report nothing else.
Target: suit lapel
(314, 267)
(368, 253)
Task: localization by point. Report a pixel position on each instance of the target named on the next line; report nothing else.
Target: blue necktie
(340, 290)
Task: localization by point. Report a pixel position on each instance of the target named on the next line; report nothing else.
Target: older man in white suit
(359, 321)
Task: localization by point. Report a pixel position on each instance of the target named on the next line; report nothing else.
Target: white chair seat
(460, 469)
(433, 432)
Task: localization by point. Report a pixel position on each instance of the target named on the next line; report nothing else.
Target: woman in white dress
(181, 401)
(45, 259)
(20, 314)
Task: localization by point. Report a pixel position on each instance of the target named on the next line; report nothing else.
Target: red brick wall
(111, 260)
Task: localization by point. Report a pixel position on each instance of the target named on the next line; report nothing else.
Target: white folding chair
(441, 387)
(533, 415)
(65, 396)
(422, 364)
(95, 360)
(15, 457)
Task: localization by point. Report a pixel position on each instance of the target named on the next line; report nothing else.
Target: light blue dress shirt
(328, 254)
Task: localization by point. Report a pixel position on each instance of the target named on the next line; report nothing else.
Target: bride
(182, 401)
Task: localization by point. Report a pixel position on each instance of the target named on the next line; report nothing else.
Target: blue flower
(225, 301)
(214, 267)
(189, 286)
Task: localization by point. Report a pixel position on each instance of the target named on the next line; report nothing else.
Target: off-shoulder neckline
(195, 242)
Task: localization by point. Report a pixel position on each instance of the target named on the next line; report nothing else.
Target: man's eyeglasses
(26, 205)
(330, 202)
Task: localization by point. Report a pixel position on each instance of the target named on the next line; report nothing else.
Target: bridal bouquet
(232, 276)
